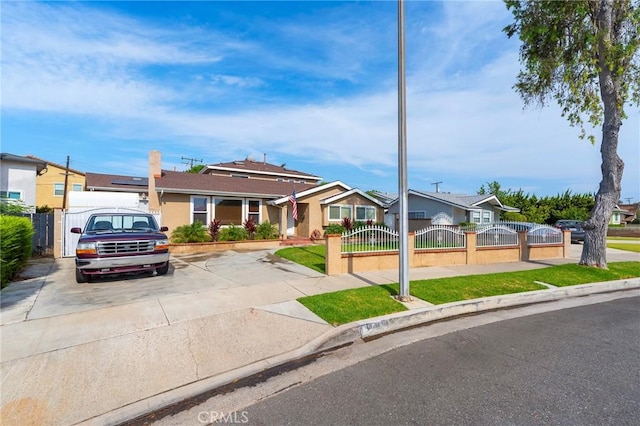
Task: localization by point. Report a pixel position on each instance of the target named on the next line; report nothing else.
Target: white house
(18, 178)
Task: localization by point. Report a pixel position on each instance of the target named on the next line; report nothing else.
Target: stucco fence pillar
(472, 241)
(333, 254)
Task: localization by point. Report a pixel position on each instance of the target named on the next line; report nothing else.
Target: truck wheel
(80, 277)
(163, 269)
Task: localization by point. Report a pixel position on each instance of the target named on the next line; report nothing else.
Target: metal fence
(544, 234)
(440, 237)
(370, 238)
(496, 236)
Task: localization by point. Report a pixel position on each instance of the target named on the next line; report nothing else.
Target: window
(227, 211)
(77, 187)
(417, 215)
(58, 189)
(200, 210)
(364, 213)
(12, 195)
(254, 210)
(486, 216)
(338, 212)
(475, 216)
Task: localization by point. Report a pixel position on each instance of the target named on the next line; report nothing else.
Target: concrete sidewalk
(116, 358)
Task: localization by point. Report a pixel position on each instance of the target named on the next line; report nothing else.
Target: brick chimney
(155, 171)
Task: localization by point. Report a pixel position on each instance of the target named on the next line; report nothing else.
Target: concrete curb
(352, 332)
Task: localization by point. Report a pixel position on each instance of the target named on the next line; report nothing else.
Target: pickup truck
(115, 243)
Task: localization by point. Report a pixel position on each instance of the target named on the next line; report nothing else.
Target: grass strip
(625, 246)
(346, 306)
(310, 256)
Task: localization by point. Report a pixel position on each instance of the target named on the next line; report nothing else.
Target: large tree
(583, 54)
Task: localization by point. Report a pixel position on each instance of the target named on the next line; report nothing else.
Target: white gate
(76, 218)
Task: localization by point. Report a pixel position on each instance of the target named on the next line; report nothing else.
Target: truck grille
(123, 247)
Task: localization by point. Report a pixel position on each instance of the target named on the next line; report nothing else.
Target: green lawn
(625, 246)
(351, 305)
(310, 256)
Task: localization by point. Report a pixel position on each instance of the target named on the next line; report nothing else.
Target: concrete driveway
(59, 294)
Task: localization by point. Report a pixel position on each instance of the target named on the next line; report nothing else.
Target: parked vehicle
(115, 243)
(575, 226)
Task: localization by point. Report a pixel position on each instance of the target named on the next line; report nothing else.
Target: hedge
(15, 245)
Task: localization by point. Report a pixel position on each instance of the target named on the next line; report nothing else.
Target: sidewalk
(118, 361)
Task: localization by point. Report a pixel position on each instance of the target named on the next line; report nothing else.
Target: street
(576, 366)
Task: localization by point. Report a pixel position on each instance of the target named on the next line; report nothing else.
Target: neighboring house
(620, 214)
(118, 183)
(233, 192)
(18, 178)
(440, 208)
(629, 212)
(50, 189)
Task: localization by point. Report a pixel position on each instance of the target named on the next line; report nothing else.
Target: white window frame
(367, 208)
(243, 208)
(247, 213)
(487, 216)
(207, 204)
(342, 216)
(76, 187)
(59, 185)
(7, 195)
(475, 216)
(417, 214)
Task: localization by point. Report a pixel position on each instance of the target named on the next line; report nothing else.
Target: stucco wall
(45, 188)
(21, 178)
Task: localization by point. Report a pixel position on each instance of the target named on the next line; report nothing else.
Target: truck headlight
(86, 248)
(162, 244)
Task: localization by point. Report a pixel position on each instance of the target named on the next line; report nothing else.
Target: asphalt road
(577, 366)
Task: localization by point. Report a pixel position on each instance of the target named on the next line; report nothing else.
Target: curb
(347, 334)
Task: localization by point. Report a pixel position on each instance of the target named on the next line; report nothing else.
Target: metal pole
(402, 163)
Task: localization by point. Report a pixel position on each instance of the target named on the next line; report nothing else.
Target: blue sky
(309, 84)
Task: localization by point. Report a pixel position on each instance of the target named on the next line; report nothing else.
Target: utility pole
(628, 200)
(66, 184)
(190, 161)
(437, 185)
(402, 164)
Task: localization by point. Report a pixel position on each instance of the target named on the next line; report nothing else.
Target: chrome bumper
(123, 262)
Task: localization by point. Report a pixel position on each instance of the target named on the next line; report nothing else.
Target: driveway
(58, 293)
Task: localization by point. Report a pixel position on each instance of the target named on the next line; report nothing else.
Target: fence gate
(78, 218)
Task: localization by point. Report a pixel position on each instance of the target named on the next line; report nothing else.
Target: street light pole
(402, 163)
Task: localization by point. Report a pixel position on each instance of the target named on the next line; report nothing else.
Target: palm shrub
(233, 233)
(266, 231)
(194, 233)
(15, 245)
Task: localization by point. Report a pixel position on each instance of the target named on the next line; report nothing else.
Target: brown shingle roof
(116, 182)
(211, 184)
(261, 167)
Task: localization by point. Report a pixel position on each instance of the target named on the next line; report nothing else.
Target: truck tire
(163, 269)
(80, 277)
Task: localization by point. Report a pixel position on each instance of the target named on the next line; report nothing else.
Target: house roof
(121, 183)
(196, 183)
(463, 201)
(39, 164)
(60, 166)
(311, 191)
(265, 168)
(343, 195)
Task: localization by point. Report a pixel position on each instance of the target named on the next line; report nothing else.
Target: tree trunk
(594, 252)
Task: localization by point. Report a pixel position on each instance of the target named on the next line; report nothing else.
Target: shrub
(15, 245)
(347, 223)
(214, 229)
(13, 207)
(250, 227)
(334, 229)
(266, 231)
(233, 233)
(194, 233)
